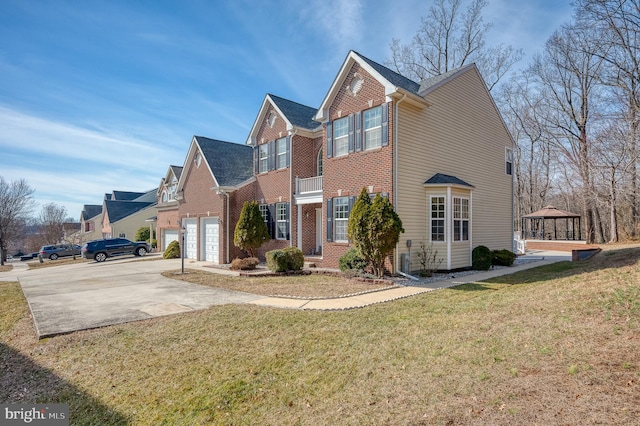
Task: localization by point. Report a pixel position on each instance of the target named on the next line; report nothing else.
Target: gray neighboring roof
(126, 195)
(117, 210)
(148, 197)
(442, 179)
(299, 115)
(392, 76)
(91, 210)
(177, 171)
(231, 163)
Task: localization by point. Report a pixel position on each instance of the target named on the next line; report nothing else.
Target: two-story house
(438, 149)
(168, 216)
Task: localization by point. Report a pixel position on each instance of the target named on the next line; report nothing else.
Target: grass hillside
(551, 345)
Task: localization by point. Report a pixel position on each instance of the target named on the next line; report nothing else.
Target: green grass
(552, 345)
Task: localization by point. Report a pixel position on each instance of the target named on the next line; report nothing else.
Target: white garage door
(211, 240)
(191, 239)
(169, 236)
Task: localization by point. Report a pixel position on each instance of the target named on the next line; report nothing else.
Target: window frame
(341, 206)
(376, 129)
(263, 148)
(508, 160)
(282, 218)
(343, 138)
(461, 217)
(281, 157)
(438, 222)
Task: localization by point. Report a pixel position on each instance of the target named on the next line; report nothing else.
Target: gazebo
(536, 226)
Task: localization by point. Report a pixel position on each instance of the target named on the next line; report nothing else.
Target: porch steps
(312, 262)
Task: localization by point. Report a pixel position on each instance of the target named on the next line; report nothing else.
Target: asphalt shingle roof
(118, 210)
(230, 163)
(177, 171)
(392, 76)
(442, 179)
(299, 115)
(125, 195)
(91, 210)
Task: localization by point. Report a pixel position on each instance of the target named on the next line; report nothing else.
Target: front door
(319, 231)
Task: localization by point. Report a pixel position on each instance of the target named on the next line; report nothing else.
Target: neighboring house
(123, 213)
(438, 149)
(168, 215)
(91, 222)
(215, 182)
(287, 145)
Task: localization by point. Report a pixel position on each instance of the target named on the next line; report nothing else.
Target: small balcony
(308, 190)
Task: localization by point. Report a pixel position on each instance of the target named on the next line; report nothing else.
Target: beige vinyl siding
(459, 134)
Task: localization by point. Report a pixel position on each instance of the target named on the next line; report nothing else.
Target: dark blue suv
(100, 250)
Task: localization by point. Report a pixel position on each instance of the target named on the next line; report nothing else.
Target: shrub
(352, 261)
(429, 260)
(246, 264)
(251, 231)
(172, 251)
(289, 259)
(503, 257)
(481, 258)
(276, 261)
(295, 258)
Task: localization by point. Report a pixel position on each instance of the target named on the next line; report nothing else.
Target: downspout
(227, 227)
(291, 135)
(395, 177)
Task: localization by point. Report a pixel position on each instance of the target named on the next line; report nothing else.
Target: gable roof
(125, 195)
(295, 115)
(177, 171)
(118, 210)
(147, 197)
(392, 76)
(230, 164)
(395, 85)
(90, 210)
(440, 179)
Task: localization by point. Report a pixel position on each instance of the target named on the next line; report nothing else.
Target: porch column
(299, 230)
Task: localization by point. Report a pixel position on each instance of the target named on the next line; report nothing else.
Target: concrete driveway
(88, 295)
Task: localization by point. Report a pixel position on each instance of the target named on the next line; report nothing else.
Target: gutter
(396, 259)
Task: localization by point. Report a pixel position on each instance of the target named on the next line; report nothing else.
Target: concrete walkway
(89, 295)
(533, 260)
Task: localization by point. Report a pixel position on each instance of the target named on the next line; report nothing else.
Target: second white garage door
(191, 238)
(169, 236)
(211, 240)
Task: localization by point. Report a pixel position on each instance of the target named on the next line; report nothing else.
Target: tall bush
(251, 231)
(374, 228)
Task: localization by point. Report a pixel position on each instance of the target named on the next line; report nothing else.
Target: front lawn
(551, 345)
(303, 286)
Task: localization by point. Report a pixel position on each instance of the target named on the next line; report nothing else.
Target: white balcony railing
(308, 185)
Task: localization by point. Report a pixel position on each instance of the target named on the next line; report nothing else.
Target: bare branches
(448, 38)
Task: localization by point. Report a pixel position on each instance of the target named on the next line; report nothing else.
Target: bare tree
(16, 204)
(569, 74)
(618, 22)
(51, 221)
(449, 38)
(522, 105)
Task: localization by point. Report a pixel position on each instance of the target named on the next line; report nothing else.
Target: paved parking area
(90, 295)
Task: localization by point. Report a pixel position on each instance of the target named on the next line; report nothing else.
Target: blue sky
(97, 96)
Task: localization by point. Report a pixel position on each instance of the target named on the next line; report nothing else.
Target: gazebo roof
(550, 212)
